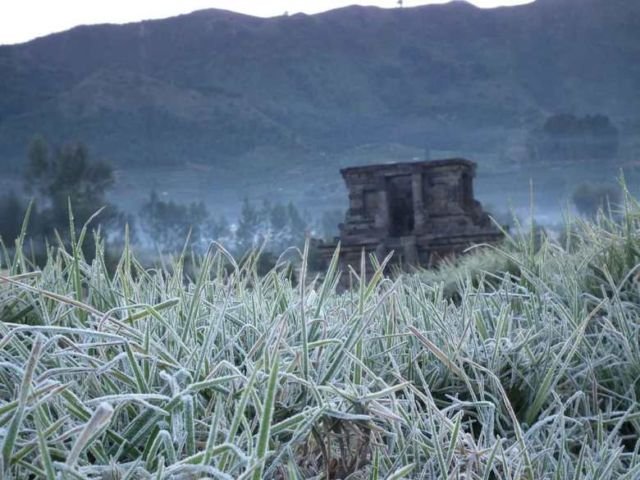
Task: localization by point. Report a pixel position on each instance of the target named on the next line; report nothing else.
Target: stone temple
(422, 211)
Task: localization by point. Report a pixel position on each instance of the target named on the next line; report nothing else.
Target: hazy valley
(216, 106)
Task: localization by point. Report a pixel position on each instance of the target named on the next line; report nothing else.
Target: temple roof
(424, 164)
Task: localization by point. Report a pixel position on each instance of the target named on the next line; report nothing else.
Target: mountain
(213, 86)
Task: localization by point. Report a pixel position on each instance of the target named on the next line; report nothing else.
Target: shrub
(588, 198)
(12, 211)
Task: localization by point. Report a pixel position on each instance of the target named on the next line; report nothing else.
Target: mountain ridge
(445, 75)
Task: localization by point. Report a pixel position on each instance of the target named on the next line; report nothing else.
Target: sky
(23, 20)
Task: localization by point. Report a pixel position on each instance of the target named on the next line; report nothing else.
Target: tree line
(567, 137)
(66, 184)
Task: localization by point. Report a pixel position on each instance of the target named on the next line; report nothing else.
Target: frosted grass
(521, 362)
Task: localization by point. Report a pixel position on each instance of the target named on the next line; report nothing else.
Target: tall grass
(521, 362)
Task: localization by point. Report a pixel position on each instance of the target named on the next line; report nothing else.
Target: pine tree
(246, 234)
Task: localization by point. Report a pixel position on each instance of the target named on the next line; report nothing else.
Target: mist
(204, 114)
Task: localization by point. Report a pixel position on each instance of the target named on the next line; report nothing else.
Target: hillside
(212, 86)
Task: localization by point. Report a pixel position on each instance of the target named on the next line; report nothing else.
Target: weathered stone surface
(422, 211)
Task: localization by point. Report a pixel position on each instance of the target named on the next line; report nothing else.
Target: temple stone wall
(422, 211)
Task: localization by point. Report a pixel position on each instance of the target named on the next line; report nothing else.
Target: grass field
(521, 362)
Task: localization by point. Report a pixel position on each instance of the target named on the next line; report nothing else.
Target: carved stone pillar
(383, 219)
(419, 213)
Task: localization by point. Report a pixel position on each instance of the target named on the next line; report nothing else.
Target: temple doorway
(400, 198)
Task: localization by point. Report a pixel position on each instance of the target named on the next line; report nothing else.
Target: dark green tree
(297, 223)
(38, 156)
(219, 228)
(589, 198)
(12, 212)
(68, 175)
(278, 217)
(568, 137)
(248, 227)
